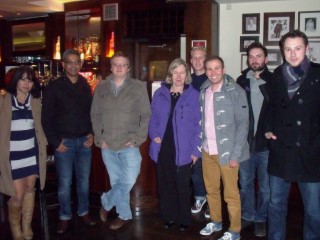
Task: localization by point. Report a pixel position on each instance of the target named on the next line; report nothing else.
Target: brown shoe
(62, 226)
(103, 214)
(87, 220)
(118, 223)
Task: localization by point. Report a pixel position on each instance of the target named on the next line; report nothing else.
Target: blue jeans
(310, 194)
(123, 167)
(78, 157)
(250, 209)
(197, 180)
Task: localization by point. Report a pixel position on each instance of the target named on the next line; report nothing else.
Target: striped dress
(23, 148)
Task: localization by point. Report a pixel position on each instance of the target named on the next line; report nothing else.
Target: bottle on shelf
(57, 54)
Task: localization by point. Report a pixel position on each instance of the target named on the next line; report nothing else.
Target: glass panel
(28, 37)
(83, 32)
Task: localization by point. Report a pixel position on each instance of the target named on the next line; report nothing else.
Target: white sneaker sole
(213, 230)
(199, 210)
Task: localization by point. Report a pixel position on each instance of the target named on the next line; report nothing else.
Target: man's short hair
(120, 54)
(209, 59)
(198, 48)
(257, 45)
(294, 34)
(68, 52)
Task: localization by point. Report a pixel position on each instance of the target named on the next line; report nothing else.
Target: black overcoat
(295, 155)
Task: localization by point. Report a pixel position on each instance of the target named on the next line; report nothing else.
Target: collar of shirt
(217, 87)
(116, 89)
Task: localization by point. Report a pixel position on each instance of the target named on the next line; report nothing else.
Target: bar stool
(43, 194)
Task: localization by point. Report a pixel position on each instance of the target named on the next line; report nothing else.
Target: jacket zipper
(176, 130)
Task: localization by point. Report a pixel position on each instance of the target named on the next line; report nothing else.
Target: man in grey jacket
(225, 123)
(120, 114)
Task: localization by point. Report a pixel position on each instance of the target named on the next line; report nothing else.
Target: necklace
(175, 94)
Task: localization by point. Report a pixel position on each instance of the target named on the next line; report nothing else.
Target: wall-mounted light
(57, 54)
(110, 44)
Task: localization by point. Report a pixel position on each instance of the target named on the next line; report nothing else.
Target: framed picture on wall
(314, 51)
(198, 43)
(244, 63)
(276, 25)
(251, 23)
(245, 41)
(309, 23)
(274, 57)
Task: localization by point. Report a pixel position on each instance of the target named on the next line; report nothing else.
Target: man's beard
(259, 68)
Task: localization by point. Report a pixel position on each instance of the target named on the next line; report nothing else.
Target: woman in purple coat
(174, 130)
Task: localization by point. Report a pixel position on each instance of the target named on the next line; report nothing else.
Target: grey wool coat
(231, 116)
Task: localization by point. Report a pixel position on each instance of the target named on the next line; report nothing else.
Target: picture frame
(276, 25)
(244, 63)
(245, 41)
(274, 57)
(198, 43)
(309, 23)
(314, 51)
(251, 23)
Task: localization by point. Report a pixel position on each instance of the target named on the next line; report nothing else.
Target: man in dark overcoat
(293, 131)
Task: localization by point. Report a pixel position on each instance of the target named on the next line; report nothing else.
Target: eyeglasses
(122, 65)
(76, 62)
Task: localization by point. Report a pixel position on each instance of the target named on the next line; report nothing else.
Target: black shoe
(245, 223)
(260, 229)
(183, 227)
(168, 224)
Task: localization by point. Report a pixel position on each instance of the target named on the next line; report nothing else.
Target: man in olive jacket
(294, 135)
(120, 115)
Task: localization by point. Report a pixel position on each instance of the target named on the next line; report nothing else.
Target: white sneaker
(207, 213)
(210, 228)
(230, 236)
(197, 206)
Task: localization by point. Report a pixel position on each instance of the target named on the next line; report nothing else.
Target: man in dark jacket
(67, 125)
(293, 131)
(254, 81)
(199, 76)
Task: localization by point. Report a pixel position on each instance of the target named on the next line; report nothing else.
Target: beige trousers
(212, 173)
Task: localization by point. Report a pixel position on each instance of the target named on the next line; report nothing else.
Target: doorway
(151, 58)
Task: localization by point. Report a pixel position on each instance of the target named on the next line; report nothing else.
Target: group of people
(204, 127)
(260, 131)
(69, 119)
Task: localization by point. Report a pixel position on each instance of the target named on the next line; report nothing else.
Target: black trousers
(174, 186)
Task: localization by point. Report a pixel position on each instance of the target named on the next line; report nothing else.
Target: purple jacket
(185, 121)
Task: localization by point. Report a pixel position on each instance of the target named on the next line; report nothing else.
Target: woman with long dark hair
(23, 149)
